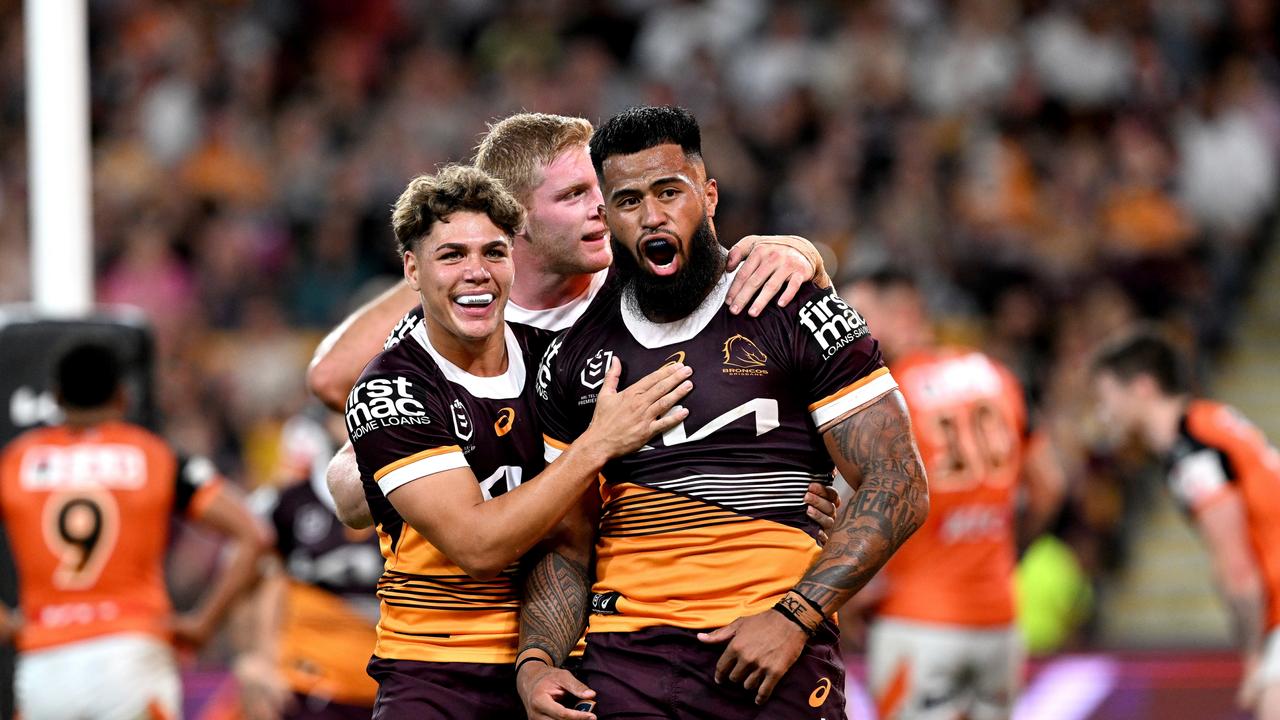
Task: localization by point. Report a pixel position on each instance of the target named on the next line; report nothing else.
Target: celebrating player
(704, 529)
(563, 254)
(442, 426)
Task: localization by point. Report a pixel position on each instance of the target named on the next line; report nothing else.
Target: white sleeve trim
(550, 452)
(864, 395)
(1198, 477)
(420, 469)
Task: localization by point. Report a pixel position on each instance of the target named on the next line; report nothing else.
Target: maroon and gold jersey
(1219, 453)
(330, 606)
(87, 513)
(411, 415)
(707, 522)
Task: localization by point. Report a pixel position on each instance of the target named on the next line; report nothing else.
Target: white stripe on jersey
(747, 491)
(864, 395)
(420, 469)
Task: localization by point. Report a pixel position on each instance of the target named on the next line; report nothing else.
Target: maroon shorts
(306, 707)
(664, 673)
(448, 691)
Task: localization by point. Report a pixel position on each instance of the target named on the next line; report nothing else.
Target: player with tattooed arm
(701, 601)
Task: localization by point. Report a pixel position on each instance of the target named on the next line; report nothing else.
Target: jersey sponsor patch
(62, 467)
(832, 323)
(383, 402)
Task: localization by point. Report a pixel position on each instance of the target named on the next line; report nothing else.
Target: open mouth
(594, 237)
(475, 303)
(661, 254)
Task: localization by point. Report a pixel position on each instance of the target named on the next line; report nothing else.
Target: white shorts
(1269, 668)
(923, 671)
(115, 677)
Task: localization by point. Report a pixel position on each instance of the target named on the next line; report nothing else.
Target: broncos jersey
(411, 415)
(707, 522)
(330, 607)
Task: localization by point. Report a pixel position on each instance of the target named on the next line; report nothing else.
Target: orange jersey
(1219, 452)
(969, 418)
(87, 512)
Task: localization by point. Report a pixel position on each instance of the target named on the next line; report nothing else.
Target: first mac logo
(382, 402)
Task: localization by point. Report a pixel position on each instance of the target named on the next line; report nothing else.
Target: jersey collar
(498, 387)
(655, 335)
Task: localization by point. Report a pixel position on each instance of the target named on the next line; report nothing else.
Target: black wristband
(531, 658)
(785, 612)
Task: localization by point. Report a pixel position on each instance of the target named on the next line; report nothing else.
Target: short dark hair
(640, 128)
(456, 188)
(87, 375)
(1144, 353)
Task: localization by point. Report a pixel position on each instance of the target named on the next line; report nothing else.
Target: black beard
(674, 297)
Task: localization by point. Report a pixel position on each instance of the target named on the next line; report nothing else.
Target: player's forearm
(1247, 600)
(891, 501)
(343, 353)
(238, 573)
(498, 532)
(266, 614)
(347, 490)
(553, 611)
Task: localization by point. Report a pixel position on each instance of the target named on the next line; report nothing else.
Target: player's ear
(712, 194)
(411, 270)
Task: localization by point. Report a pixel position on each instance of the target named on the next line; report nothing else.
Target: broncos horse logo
(741, 352)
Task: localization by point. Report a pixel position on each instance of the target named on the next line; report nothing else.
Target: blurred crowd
(1055, 170)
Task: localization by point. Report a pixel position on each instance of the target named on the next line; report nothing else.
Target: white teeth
(482, 299)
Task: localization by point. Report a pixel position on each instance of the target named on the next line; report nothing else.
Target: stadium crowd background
(1054, 170)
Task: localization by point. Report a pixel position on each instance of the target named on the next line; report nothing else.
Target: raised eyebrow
(632, 190)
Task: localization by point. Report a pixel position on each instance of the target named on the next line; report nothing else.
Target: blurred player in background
(312, 619)
(943, 643)
(87, 506)
(1225, 475)
(563, 255)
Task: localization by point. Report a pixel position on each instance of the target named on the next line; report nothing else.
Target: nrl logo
(592, 376)
(743, 357)
(461, 423)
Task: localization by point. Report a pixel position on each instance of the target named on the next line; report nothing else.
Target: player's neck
(482, 357)
(85, 418)
(1164, 419)
(538, 289)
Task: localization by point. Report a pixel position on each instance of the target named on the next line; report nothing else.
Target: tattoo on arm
(876, 452)
(554, 612)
